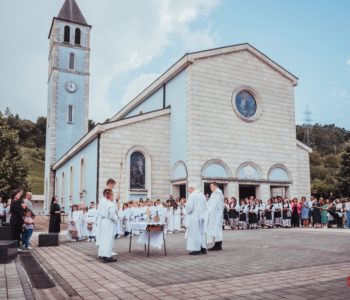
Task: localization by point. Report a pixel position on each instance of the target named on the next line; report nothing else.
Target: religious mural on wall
(246, 104)
(137, 171)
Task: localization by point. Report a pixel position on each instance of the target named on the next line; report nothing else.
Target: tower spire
(71, 12)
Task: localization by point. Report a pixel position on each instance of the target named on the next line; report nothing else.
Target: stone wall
(304, 186)
(215, 131)
(152, 136)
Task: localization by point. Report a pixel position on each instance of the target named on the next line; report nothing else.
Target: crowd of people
(18, 212)
(251, 213)
(87, 222)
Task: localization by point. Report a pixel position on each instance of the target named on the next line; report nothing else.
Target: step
(5, 232)
(8, 251)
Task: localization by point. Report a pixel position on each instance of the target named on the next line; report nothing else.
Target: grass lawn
(35, 158)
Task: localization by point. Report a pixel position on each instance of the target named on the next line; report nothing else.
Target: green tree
(343, 175)
(39, 132)
(13, 171)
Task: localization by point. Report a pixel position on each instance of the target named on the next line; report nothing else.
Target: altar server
(91, 218)
(110, 184)
(159, 213)
(196, 210)
(170, 217)
(75, 220)
(216, 210)
(177, 216)
(109, 218)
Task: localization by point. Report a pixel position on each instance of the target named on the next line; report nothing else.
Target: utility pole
(308, 136)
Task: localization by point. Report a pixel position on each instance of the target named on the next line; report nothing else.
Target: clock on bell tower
(68, 86)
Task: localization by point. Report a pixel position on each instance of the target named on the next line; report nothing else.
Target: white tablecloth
(156, 240)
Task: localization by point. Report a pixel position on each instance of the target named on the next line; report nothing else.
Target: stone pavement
(256, 264)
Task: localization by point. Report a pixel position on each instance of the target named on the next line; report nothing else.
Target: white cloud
(129, 36)
(348, 62)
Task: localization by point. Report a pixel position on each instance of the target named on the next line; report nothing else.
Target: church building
(225, 115)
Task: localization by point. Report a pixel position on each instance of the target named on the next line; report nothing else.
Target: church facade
(224, 115)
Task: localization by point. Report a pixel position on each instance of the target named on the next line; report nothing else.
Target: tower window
(77, 38)
(70, 114)
(67, 34)
(71, 61)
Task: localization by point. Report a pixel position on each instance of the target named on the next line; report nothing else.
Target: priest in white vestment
(215, 218)
(109, 219)
(196, 210)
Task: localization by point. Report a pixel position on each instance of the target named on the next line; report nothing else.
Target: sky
(135, 41)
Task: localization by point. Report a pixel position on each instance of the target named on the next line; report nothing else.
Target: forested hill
(328, 143)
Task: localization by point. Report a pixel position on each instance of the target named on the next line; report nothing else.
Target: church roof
(71, 12)
(190, 58)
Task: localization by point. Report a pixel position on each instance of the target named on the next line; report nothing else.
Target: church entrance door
(246, 191)
(180, 190)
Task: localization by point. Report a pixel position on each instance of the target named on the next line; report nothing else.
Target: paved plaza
(256, 264)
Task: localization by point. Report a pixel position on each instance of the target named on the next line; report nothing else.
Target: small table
(150, 231)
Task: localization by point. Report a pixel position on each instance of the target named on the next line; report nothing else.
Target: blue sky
(135, 41)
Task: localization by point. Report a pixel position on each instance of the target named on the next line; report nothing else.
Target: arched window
(67, 34)
(71, 183)
(82, 178)
(216, 169)
(77, 38)
(70, 114)
(248, 171)
(278, 173)
(137, 171)
(71, 61)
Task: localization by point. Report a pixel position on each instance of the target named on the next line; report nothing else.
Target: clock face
(246, 104)
(71, 86)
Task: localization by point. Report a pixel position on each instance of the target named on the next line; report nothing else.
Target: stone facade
(303, 180)
(215, 131)
(151, 137)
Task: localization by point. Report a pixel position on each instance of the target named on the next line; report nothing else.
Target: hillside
(35, 159)
(328, 143)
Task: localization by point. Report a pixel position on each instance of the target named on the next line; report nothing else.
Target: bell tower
(68, 87)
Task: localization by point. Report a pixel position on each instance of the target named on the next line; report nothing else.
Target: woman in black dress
(316, 214)
(17, 215)
(55, 216)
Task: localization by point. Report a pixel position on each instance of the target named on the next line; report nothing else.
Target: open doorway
(246, 191)
(207, 190)
(180, 190)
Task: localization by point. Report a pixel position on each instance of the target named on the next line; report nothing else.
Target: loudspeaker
(48, 239)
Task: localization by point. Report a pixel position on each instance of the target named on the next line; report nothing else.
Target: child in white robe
(91, 219)
(83, 211)
(74, 224)
(170, 219)
(109, 218)
(177, 217)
